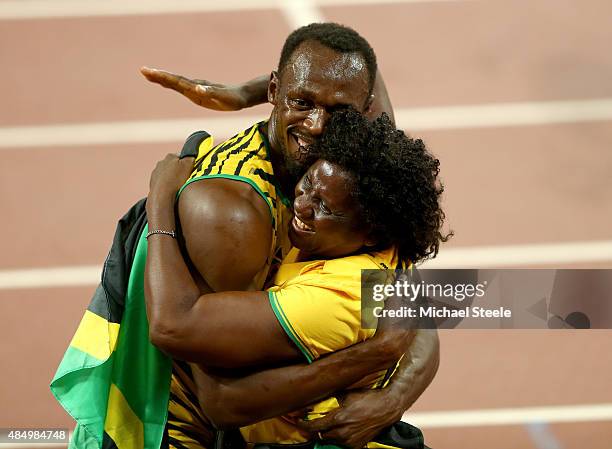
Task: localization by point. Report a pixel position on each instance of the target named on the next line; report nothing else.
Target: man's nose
(315, 122)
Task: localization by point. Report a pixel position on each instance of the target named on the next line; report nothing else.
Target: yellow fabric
(87, 336)
(122, 424)
(242, 158)
(318, 303)
(245, 158)
(187, 425)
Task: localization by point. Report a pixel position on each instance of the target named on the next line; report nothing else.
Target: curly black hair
(396, 181)
(338, 37)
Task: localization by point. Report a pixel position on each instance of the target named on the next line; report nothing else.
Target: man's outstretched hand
(218, 97)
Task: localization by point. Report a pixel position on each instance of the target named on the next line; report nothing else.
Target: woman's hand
(219, 97)
(169, 175)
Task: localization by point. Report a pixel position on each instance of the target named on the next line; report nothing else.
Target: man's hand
(218, 97)
(394, 332)
(362, 416)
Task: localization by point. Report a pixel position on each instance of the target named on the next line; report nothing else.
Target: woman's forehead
(332, 181)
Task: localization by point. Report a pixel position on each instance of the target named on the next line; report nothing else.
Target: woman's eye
(307, 181)
(324, 209)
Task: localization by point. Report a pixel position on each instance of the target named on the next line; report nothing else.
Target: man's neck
(285, 180)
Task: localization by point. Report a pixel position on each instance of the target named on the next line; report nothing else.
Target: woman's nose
(303, 206)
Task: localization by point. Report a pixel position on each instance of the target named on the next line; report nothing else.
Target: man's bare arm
(222, 97)
(364, 413)
(228, 238)
(215, 96)
(239, 401)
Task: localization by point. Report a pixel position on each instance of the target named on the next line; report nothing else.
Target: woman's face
(327, 221)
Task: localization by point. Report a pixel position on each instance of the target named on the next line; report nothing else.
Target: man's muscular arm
(222, 97)
(227, 229)
(364, 413)
(228, 232)
(239, 401)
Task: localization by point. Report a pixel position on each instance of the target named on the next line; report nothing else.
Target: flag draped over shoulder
(112, 380)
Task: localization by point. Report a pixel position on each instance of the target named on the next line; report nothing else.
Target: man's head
(323, 67)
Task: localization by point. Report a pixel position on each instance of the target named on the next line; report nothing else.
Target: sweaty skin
(203, 328)
(301, 108)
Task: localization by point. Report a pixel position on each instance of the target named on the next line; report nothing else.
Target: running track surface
(511, 184)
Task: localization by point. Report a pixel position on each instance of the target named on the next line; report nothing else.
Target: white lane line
(109, 133)
(473, 257)
(226, 124)
(75, 276)
(47, 9)
(522, 255)
(300, 12)
(511, 416)
(505, 114)
(483, 417)
(380, 2)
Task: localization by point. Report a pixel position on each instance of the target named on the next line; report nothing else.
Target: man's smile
(302, 140)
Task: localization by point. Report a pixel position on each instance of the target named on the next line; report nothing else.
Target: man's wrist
(376, 353)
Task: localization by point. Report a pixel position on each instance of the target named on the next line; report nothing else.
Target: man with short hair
(234, 214)
(322, 67)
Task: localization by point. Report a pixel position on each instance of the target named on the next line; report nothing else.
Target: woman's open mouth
(299, 225)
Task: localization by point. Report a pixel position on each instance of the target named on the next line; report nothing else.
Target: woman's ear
(371, 239)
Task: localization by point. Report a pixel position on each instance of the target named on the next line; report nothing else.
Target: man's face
(315, 81)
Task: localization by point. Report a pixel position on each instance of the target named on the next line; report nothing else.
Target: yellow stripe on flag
(122, 424)
(95, 336)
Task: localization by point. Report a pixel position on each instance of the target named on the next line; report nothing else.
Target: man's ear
(273, 88)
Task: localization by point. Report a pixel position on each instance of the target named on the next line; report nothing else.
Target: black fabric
(109, 298)
(107, 442)
(400, 435)
(232, 439)
(192, 144)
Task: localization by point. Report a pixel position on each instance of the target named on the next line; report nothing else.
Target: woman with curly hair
(369, 200)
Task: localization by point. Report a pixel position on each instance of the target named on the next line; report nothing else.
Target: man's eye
(298, 103)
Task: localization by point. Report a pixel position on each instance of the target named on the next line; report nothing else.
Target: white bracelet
(160, 231)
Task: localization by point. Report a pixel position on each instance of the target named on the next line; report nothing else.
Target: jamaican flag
(112, 380)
